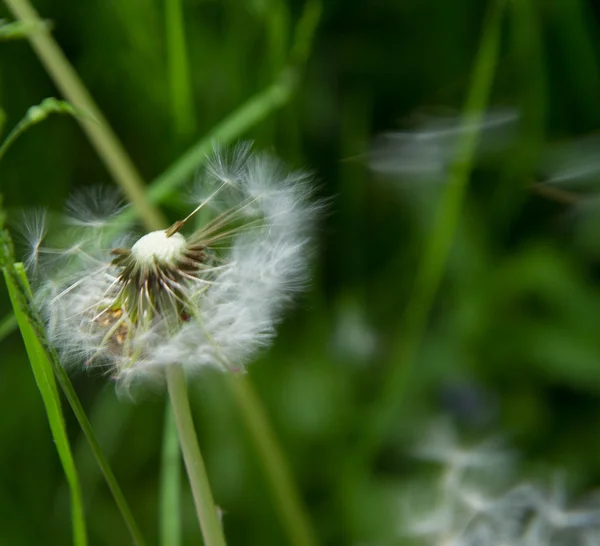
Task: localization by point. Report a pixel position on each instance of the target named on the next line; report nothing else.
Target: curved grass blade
(182, 100)
(44, 377)
(21, 284)
(36, 114)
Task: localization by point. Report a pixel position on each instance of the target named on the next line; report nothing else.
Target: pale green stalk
(42, 370)
(249, 114)
(206, 510)
(170, 488)
(184, 123)
(69, 391)
(36, 114)
(180, 87)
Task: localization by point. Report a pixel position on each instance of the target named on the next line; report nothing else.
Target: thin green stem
(203, 499)
(178, 69)
(42, 369)
(86, 427)
(98, 130)
(67, 388)
(285, 495)
(432, 265)
(170, 487)
(36, 114)
(234, 125)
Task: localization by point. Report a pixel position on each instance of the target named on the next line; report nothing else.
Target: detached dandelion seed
(195, 297)
(475, 501)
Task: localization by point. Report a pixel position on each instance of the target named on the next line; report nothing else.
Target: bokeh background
(512, 342)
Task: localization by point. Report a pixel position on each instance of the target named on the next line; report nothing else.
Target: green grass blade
(305, 32)
(34, 115)
(109, 419)
(23, 292)
(170, 483)
(182, 100)
(7, 326)
(86, 426)
(253, 111)
(44, 377)
(249, 114)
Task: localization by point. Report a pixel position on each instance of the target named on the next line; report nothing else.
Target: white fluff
(232, 306)
(474, 502)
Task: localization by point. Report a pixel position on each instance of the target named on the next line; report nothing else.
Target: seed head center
(157, 247)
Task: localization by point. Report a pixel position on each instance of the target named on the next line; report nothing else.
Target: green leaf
(44, 377)
(17, 281)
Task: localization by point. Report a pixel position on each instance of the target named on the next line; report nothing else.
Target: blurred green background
(512, 342)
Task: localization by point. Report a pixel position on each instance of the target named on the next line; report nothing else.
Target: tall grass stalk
(20, 282)
(16, 281)
(431, 267)
(182, 101)
(205, 506)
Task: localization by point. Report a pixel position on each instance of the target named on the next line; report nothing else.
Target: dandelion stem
(203, 499)
(169, 519)
(287, 499)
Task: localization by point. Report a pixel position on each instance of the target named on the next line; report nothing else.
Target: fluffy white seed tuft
(205, 297)
(474, 501)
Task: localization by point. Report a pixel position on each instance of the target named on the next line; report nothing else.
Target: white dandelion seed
(468, 505)
(425, 153)
(209, 297)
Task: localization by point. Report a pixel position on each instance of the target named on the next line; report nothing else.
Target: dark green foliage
(512, 341)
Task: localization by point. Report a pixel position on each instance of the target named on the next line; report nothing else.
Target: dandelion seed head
(210, 296)
(159, 246)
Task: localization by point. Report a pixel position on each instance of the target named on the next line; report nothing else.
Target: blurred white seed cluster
(475, 502)
(205, 296)
(425, 153)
